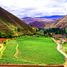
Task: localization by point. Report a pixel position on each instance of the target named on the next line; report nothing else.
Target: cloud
(34, 8)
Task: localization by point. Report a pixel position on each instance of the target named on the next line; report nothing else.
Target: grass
(32, 50)
(65, 47)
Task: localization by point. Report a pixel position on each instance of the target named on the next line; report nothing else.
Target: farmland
(30, 50)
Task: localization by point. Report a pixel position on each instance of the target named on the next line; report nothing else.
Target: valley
(31, 40)
(31, 50)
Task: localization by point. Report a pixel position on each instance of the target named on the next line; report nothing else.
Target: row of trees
(6, 35)
(55, 30)
(51, 31)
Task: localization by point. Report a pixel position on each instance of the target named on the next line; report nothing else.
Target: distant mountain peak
(52, 17)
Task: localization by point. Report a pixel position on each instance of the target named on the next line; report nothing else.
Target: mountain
(55, 21)
(42, 23)
(11, 24)
(52, 17)
(29, 20)
(39, 22)
(48, 23)
(61, 23)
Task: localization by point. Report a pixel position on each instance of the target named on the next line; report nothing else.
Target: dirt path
(2, 48)
(17, 52)
(59, 48)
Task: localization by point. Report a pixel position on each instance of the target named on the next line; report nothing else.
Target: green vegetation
(51, 31)
(65, 47)
(31, 50)
(11, 26)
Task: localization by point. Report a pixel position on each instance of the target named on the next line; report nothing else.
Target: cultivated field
(30, 50)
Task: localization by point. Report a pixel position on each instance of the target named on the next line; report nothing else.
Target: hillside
(47, 22)
(45, 18)
(62, 23)
(11, 24)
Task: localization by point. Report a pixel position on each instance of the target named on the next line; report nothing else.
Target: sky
(35, 8)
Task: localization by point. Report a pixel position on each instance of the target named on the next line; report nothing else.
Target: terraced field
(30, 50)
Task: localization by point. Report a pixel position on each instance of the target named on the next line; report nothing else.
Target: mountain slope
(11, 24)
(62, 23)
(42, 22)
(29, 20)
(47, 23)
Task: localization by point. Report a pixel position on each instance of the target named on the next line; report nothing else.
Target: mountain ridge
(11, 23)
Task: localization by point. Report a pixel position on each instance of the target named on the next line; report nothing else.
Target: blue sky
(35, 8)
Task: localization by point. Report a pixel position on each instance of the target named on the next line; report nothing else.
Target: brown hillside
(62, 23)
(9, 23)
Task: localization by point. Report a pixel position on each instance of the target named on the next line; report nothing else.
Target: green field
(31, 50)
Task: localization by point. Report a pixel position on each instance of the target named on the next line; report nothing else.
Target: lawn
(31, 50)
